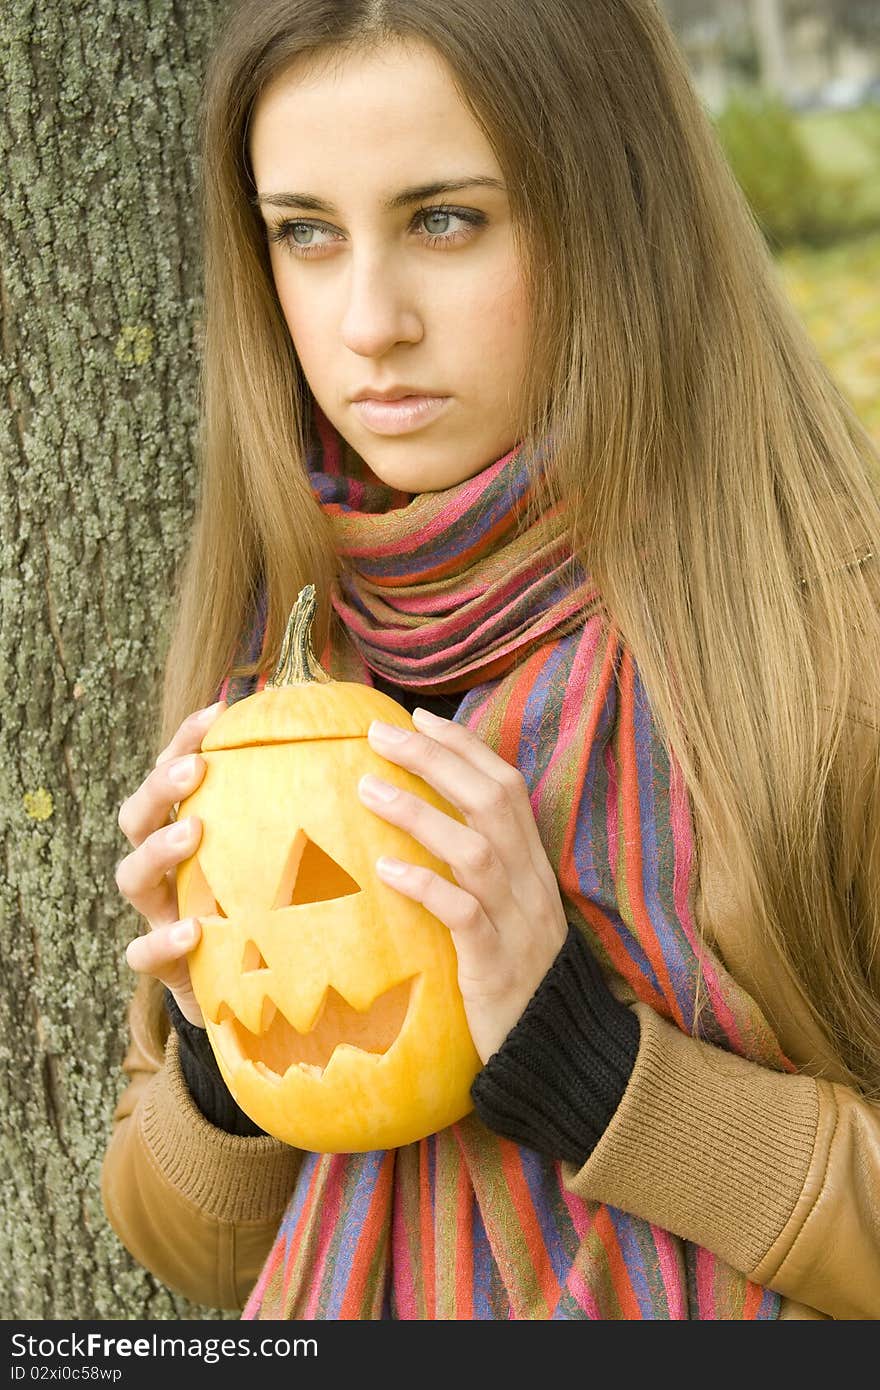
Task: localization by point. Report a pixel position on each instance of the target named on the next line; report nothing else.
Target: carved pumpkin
(331, 1001)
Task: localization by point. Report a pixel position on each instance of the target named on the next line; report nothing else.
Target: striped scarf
(444, 591)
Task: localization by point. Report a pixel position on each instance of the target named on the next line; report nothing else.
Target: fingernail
(394, 868)
(181, 832)
(182, 771)
(387, 733)
(373, 787)
(184, 935)
(210, 710)
(424, 716)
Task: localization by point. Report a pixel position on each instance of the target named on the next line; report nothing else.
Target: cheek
(306, 324)
(301, 319)
(305, 313)
(494, 329)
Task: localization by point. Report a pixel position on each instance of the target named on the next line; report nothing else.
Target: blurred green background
(793, 87)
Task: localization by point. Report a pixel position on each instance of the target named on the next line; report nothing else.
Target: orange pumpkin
(331, 1001)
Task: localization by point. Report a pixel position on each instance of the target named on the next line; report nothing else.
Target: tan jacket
(779, 1174)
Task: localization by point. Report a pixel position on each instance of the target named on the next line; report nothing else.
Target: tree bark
(99, 295)
(768, 20)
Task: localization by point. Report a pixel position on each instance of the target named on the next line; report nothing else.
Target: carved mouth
(279, 1046)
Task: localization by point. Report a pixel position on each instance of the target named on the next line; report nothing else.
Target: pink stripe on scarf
(330, 1205)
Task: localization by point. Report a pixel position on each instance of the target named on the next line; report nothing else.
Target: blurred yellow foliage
(836, 291)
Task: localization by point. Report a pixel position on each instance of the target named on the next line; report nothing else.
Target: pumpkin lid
(308, 711)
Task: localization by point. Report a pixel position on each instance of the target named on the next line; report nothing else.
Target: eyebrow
(399, 200)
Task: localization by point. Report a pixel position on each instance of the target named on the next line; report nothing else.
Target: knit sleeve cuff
(226, 1177)
(560, 1073)
(705, 1144)
(204, 1078)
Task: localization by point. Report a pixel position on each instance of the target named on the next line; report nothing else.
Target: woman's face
(386, 289)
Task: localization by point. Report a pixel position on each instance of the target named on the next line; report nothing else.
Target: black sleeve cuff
(203, 1076)
(560, 1073)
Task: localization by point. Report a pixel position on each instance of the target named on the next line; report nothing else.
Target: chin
(407, 475)
(416, 480)
(402, 468)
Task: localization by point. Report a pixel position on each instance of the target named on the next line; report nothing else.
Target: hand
(148, 876)
(506, 914)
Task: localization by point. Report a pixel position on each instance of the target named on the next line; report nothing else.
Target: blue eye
(286, 231)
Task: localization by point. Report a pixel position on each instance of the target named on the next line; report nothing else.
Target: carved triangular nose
(311, 875)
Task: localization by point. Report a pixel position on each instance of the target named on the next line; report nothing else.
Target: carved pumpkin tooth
(252, 958)
(269, 1074)
(280, 1046)
(230, 1046)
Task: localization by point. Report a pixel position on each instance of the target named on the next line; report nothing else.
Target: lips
(391, 393)
(278, 1045)
(400, 417)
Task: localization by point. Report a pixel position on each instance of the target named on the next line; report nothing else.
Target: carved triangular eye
(252, 958)
(311, 875)
(200, 899)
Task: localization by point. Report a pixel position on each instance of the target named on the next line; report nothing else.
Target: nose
(381, 308)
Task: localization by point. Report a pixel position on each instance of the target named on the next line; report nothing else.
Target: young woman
(497, 359)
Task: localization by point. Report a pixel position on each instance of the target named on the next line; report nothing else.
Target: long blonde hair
(719, 488)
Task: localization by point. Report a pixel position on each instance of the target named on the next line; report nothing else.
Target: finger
(173, 777)
(163, 952)
(486, 789)
(452, 905)
(474, 860)
(144, 877)
(149, 808)
(457, 737)
(188, 737)
(496, 983)
(493, 807)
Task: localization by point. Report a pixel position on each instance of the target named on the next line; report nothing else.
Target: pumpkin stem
(297, 662)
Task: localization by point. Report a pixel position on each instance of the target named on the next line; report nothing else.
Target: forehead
(395, 107)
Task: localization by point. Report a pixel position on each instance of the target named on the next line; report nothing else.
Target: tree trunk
(768, 21)
(100, 300)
